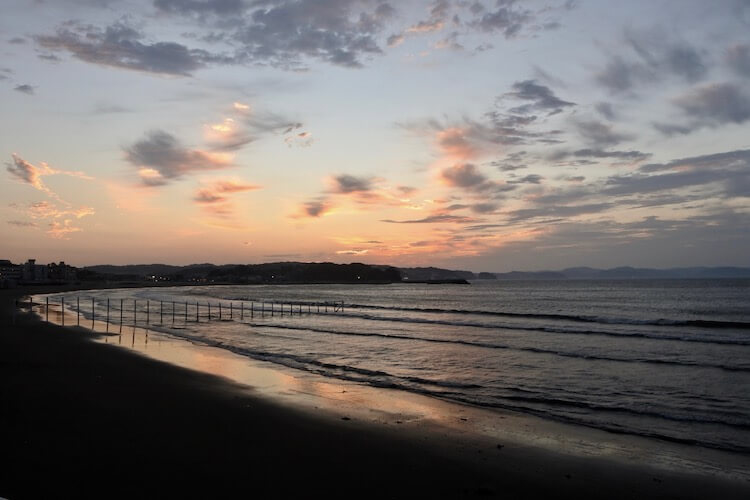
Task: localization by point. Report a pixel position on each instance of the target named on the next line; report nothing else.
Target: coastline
(84, 412)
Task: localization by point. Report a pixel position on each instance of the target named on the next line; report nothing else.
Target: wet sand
(88, 419)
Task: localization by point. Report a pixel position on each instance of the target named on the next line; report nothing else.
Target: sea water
(668, 359)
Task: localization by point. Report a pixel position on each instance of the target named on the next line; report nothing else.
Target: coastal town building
(31, 273)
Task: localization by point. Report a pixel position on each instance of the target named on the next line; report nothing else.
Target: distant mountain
(627, 272)
(434, 274)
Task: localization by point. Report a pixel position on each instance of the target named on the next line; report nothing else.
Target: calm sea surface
(663, 358)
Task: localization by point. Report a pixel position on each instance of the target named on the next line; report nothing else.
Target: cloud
(558, 211)
(216, 192)
(161, 158)
(729, 172)
(655, 58)
(20, 223)
(284, 32)
(61, 230)
(599, 134)
(17, 40)
(350, 184)
(716, 104)
(201, 7)
(738, 58)
(314, 208)
(25, 88)
(484, 208)
(528, 179)
(606, 110)
(465, 176)
(506, 19)
(433, 219)
(540, 97)
(627, 156)
(28, 173)
(120, 46)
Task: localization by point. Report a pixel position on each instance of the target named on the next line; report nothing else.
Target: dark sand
(81, 419)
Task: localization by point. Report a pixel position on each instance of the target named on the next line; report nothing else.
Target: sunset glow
(479, 135)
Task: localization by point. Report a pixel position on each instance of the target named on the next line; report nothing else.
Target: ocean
(668, 359)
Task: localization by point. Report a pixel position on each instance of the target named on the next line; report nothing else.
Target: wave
(549, 329)
(742, 325)
(537, 350)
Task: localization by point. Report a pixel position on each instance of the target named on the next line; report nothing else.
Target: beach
(90, 419)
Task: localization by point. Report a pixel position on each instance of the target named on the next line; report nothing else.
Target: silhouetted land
(87, 420)
(327, 272)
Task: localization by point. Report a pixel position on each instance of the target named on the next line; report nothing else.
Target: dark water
(662, 358)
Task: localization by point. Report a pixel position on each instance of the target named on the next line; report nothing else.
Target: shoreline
(363, 456)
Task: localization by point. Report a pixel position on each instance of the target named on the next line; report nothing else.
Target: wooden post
(209, 310)
(107, 314)
(121, 311)
(318, 304)
(186, 312)
(78, 310)
(231, 311)
(262, 308)
(252, 310)
(219, 311)
(173, 313)
(242, 311)
(135, 313)
(308, 308)
(148, 312)
(46, 310)
(197, 320)
(161, 312)
(272, 308)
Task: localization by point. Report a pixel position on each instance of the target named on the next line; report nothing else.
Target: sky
(484, 135)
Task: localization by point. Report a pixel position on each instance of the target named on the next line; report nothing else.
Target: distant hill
(630, 273)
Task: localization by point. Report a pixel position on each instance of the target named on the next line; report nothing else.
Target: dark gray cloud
(729, 172)
(738, 58)
(506, 19)
(656, 57)
(606, 110)
(484, 208)
(340, 32)
(619, 75)
(433, 219)
(218, 7)
(629, 156)
(17, 40)
(599, 134)
(716, 104)
(350, 184)
(121, 46)
(528, 179)
(464, 176)
(539, 97)
(162, 158)
(316, 208)
(25, 88)
(558, 211)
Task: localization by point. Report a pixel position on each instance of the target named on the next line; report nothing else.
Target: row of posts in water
(265, 309)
